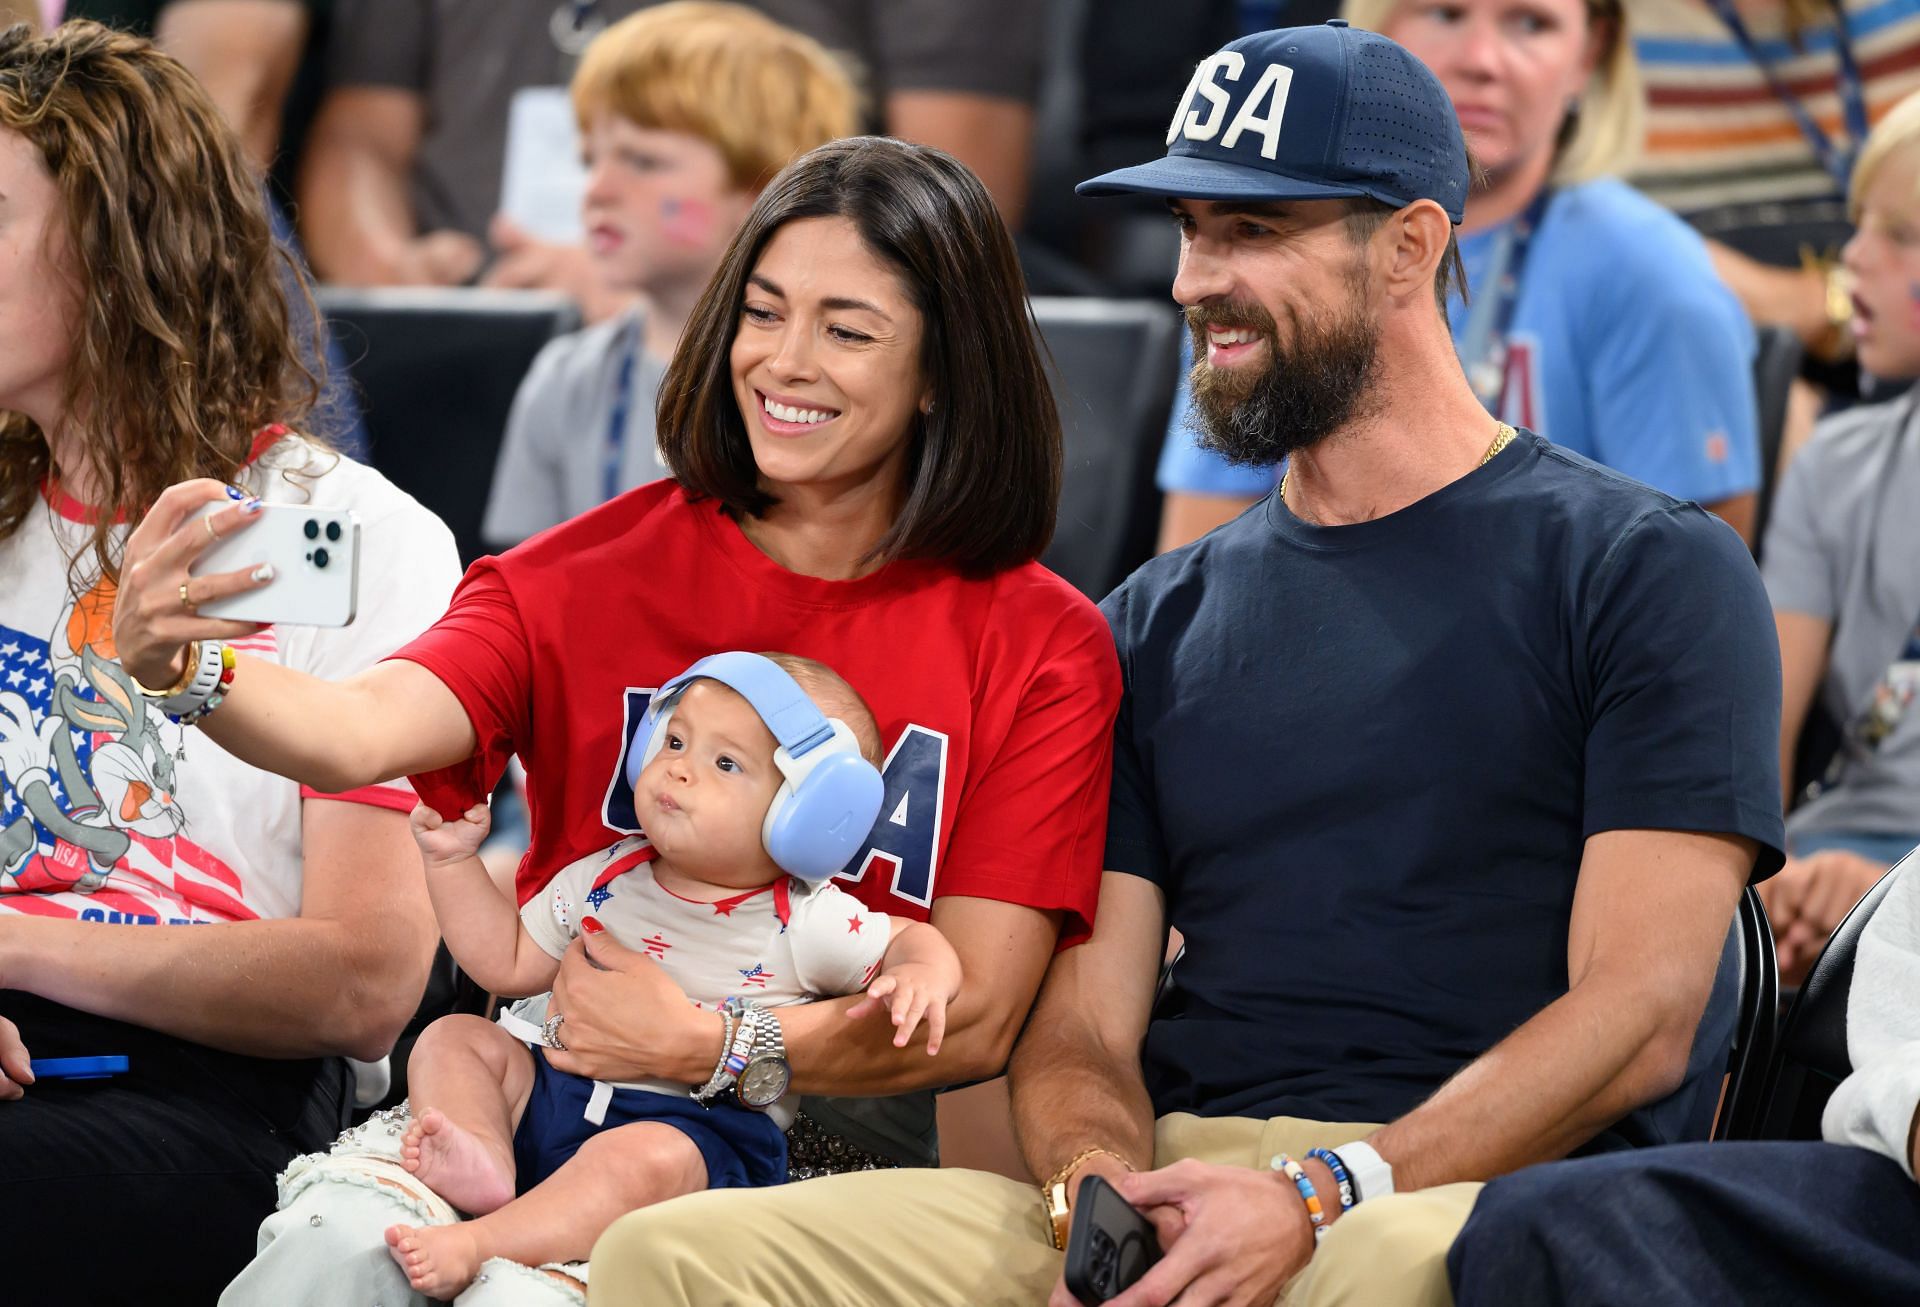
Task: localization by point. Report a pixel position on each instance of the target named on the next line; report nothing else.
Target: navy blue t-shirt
(1361, 762)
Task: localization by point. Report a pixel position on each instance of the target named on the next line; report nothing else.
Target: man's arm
(343, 977)
(245, 52)
(1791, 297)
(1075, 1076)
(990, 134)
(1650, 917)
(1186, 516)
(1741, 512)
(356, 215)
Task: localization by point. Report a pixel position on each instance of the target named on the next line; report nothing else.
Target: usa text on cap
(1307, 113)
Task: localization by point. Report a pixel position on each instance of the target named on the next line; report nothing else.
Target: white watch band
(206, 679)
(1371, 1173)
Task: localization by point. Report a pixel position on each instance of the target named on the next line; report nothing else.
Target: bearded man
(1449, 760)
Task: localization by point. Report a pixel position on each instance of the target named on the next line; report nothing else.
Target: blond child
(1842, 565)
(714, 892)
(686, 111)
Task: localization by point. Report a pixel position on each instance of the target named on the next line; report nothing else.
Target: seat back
(1776, 362)
(1756, 1024)
(1812, 1058)
(437, 370)
(1113, 366)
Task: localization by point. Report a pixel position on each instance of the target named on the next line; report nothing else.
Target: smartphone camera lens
(312, 529)
(333, 532)
(319, 558)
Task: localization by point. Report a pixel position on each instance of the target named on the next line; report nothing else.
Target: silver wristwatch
(764, 1079)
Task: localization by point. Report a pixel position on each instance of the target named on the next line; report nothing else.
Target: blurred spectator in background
(1756, 112)
(1595, 318)
(687, 110)
(1843, 570)
(246, 54)
(403, 181)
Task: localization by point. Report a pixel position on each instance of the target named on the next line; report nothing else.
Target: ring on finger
(550, 1032)
(186, 600)
(212, 534)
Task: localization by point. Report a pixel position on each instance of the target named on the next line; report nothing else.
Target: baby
(731, 892)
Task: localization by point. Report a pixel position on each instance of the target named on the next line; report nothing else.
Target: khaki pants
(968, 1238)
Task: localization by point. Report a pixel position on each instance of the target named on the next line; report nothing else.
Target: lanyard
(1838, 162)
(616, 444)
(1483, 344)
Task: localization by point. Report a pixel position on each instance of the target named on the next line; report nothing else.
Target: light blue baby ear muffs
(831, 795)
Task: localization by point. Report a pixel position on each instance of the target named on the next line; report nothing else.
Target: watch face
(764, 1081)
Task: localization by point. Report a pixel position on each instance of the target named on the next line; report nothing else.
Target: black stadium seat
(437, 370)
(1756, 1023)
(1775, 364)
(1113, 367)
(1812, 1058)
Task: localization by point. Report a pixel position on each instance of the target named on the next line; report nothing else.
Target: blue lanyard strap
(616, 443)
(1483, 344)
(1838, 162)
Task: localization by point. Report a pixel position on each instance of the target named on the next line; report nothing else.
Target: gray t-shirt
(553, 461)
(468, 57)
(1844, 546)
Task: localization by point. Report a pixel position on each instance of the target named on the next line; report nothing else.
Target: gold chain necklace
(1501, 439)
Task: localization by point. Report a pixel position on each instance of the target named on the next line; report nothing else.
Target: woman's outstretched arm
(394, 719)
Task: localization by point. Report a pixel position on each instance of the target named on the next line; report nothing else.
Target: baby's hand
(911, 991)
(442, 842)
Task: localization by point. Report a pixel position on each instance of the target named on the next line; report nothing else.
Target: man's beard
(1312, 385)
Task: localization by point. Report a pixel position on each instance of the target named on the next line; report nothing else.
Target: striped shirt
(1717, 134)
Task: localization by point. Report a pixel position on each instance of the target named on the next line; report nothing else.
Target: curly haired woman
(145, 338)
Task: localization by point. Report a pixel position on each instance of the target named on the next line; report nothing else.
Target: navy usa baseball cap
(1308, 113)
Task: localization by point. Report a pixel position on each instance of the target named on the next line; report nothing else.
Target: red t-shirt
(995, 697)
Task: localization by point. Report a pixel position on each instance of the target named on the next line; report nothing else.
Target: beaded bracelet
(1340, 1175)
(1308, 1194)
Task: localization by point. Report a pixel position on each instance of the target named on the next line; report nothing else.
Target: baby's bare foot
(455, 1164)
(440, 1260)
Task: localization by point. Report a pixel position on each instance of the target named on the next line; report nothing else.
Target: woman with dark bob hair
(867, 459)
(233, 937)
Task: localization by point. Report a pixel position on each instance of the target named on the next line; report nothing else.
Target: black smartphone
(1109, 1244)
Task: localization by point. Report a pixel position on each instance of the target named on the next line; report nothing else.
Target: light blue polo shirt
(1625, 347)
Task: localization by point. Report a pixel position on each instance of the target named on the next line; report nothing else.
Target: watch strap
(1371, 1174)
(1053, 1194)
(208, 664)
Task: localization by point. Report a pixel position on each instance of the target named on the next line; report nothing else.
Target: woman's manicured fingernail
(264, 572)
(591, 925)
(251, 507)
(235, 492)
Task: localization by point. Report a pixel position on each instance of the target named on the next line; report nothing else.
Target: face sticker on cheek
(687, 222)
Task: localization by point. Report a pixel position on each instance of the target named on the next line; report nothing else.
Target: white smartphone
(315, 554)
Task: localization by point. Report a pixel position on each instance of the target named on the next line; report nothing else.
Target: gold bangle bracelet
(186, 677)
